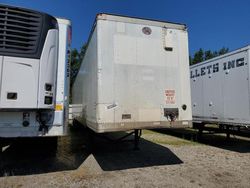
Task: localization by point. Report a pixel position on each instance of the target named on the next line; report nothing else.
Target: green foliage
(202, 55)
(215, 54)
(208, 54)
(223, 51)
(198, 56)
(76, 60)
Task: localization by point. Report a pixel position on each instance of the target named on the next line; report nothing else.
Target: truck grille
(19, 30)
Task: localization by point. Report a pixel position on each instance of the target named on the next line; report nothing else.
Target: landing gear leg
(137, 134)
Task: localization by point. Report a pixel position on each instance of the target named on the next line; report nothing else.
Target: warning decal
(170, 96)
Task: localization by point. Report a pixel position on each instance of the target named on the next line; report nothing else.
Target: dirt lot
(162, 161)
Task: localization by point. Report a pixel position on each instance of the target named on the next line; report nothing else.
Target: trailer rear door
(236, 87)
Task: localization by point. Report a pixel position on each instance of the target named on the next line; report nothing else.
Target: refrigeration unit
(34, 73)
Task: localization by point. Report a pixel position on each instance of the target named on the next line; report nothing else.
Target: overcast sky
(212, 24)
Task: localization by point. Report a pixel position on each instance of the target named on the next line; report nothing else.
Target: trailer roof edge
(137, 20)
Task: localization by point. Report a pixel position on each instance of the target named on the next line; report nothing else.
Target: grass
(161, 138)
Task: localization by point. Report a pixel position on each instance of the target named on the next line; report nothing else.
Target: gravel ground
(162, 161)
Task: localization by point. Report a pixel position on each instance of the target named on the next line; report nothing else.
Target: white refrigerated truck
(134, 75)
(34, 73)
(220, 90)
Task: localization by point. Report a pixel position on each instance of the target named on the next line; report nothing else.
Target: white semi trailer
(134, 75)
(220, 90)
(34, 73)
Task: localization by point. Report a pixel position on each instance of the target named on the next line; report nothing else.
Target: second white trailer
(221, 89)
(134, 75)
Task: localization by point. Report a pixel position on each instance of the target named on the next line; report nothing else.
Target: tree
(74, 64)
(76, 61)
(198, 56)
(82, 52)
(74, 57)
(208, 55)
(223, 51)
(215, 54)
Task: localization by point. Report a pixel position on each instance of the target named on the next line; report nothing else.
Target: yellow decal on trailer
(59, 107)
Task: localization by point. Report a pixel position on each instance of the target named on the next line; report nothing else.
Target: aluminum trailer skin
(220, 89)
(134, 75)
(34, 73)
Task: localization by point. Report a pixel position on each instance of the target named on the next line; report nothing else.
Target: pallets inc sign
(216, 67)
